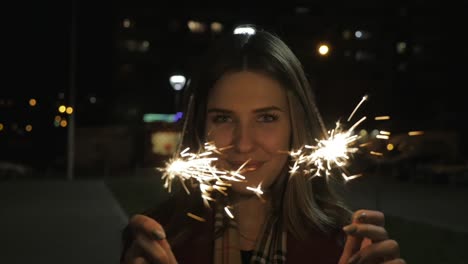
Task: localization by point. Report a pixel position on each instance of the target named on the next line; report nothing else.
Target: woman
(253, 101)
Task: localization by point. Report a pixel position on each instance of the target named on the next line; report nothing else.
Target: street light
(244, 29)
(177, 82)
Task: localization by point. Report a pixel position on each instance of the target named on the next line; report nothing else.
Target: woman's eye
(221, 119)
(267, 118)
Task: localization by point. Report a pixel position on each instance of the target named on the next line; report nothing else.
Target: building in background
(397, 53)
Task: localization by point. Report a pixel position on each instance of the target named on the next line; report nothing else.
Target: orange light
(28, 128)
(390, 147)
(32, 102)
(415, 133)
(63, 123)
(69, 110)
(323, 49)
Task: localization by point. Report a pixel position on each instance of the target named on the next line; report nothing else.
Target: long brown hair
(306, 203)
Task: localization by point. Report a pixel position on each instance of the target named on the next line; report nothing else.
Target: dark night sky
(40, 41)
(427, 96)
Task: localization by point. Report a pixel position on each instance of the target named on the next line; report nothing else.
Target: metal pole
(71, 121)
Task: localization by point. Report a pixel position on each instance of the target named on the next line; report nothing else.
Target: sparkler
(321, 159)
(199, 167)
(334, 151)
(329, 153)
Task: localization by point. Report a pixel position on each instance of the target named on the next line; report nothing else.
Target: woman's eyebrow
(258, 110)
(269, 108)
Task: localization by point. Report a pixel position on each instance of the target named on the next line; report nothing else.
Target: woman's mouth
(246, 165)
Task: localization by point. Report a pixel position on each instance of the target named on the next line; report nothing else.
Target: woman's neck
(250, 215)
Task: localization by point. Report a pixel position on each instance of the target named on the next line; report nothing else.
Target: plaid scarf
(270, 247)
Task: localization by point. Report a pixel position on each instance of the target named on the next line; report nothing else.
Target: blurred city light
(216, 27)
(385, 132)
(126, 23)
(28, 128)
(69, 110)
(196, 27)
(92, 99)
(415, 133)
(62, 109)
(323, 49)
(137, 45)
(244, 29)
(382, 136)
(363, 133)
(177, 82)
(390, 147)
(347, 34)
(358, 34)
(1, 126)
(32, 102)
(63, 123)
(401, 47)
(362, 34)
(374, 133)
(165, 142)
(169, 118)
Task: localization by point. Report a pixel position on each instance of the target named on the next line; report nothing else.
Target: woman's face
(249, 113)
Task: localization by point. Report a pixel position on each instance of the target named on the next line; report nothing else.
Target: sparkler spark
(228, 211)
(199, 167)
(364, 98)
(196, 217)
(328, 153)
(333, 152)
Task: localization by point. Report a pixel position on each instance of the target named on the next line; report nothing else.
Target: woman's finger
(395, 261)
(139, 260)
(377, 253)
(134, 255)
(152, 238)
(369, 217)
(167, 247)
(373, 232)
(152, 250)
(352, 245)
(144, 224)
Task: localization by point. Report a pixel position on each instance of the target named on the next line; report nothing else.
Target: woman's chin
(241, 187)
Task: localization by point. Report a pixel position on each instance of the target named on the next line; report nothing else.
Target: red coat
(197, 244)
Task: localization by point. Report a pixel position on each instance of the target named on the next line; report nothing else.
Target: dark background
(52, 214)
(49, 53)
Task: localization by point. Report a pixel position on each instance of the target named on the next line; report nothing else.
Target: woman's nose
(244, 138)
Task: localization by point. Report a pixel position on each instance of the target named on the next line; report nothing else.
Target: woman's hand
(367, 241)
(150, 245)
